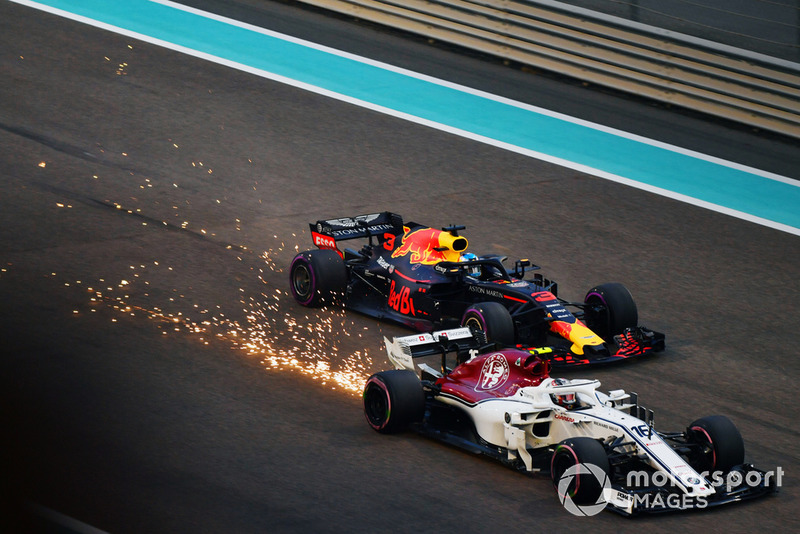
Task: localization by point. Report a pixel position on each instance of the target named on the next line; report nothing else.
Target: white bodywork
(518, 422)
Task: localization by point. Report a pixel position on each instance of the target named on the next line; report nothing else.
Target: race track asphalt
(157, 377)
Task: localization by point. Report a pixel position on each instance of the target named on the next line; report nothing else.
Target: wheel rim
(474, 322)
(563, 459)
(301, 281)
(708, 456)
(376, 406)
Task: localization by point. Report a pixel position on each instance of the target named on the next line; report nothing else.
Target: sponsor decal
(385, 264)
(323, 241)
(456, 333)
(348, 232)
(619, 499)
(603, 425)
(453, 333)
(353, 221)
(413, 341)
(421, 247)
(564, 417)
(400, 299)
(558, 310)
(486, 291)
(494, 373)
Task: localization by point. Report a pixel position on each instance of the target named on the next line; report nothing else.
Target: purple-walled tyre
(610, 310)
(317, 277)
(493, 319)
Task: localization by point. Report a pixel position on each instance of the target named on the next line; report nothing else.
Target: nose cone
(596, 351)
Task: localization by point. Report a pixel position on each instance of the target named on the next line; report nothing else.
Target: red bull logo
(429, 246)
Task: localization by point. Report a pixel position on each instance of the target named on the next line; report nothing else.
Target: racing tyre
(610, 310)
(317, 276)
(720, 445)
(492, 318)
(393, 400)
(585, 486)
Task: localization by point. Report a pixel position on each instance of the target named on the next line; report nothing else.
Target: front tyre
(610, 309)
(493, 319)
(317, 276)
(393, 400)
(584, 487)
(718, 444)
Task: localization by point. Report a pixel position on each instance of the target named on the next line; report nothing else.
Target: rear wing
(463, 341)
(326, 233)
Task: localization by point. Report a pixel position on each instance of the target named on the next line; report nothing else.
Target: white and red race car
(600, 449)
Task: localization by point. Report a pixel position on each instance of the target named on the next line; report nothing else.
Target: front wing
(633, 343)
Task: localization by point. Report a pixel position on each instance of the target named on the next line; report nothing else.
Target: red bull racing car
(426, 279)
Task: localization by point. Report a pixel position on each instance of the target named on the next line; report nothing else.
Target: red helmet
(567, 400)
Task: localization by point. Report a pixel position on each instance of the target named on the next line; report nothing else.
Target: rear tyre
(720, 446)
(584, 487)
(317, 277)
(393, 400)
(610, 310)
(493, 319)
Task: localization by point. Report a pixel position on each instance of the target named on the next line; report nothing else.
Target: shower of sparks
(308, 342)
(316, 343)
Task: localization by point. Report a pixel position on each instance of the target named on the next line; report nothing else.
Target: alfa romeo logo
(494, 373)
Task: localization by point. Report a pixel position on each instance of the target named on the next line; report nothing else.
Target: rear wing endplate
(403, 350)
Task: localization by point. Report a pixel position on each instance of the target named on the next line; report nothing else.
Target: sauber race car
(600, 449)
(425, 279)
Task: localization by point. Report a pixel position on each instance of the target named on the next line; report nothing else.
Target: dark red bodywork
(495, 374)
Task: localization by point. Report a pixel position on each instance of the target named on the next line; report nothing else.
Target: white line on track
(63, 521)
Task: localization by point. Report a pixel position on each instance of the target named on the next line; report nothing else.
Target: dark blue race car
(427, 280)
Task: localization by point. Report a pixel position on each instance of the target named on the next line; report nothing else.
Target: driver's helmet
(567, 400)
(469, 256)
